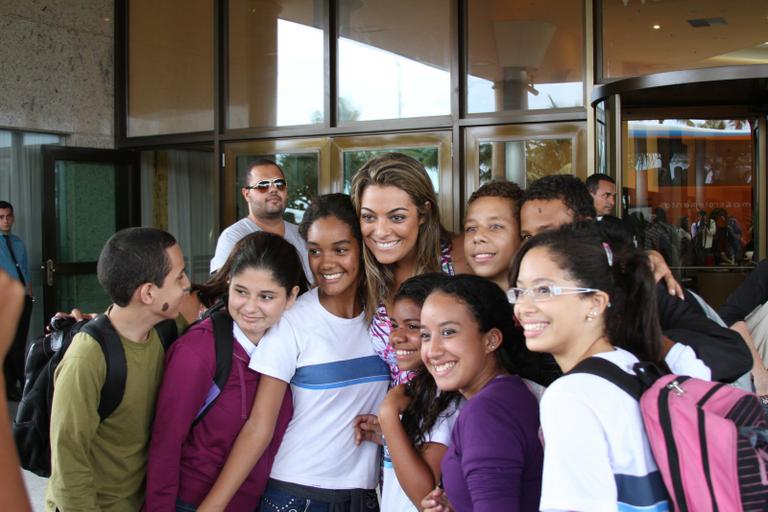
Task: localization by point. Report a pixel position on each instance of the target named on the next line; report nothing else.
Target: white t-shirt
(244, 227)
(335, 375)
(596, 453)
(393, 498)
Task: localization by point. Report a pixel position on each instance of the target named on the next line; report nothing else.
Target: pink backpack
(710, 440)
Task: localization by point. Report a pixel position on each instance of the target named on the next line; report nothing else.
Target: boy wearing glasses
(266, 192)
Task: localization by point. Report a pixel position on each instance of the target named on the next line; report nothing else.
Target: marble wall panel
(57, 68)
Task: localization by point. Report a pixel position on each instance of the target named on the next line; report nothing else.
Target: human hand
(395, 402)
(367, 428)
(75, 314)
(436, 501)
(12, 301)
(661, 271)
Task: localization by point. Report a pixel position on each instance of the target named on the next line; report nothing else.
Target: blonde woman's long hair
(407, 174)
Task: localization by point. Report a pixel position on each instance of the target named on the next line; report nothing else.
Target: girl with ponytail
(576, 296)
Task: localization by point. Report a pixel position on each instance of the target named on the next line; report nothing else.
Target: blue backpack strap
(224, 347)
(112, 391)
(612, 373)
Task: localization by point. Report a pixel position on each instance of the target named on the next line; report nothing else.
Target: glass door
(88, 195)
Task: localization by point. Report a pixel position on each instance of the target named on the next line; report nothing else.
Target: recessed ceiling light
(656, 27)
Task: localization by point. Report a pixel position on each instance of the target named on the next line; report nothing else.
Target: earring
(591, 316)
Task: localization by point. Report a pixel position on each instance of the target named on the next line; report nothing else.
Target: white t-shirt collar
(243, 340)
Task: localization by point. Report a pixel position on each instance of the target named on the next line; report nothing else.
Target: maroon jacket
(184, 461)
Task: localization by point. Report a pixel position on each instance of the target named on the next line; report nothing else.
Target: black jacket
(721, 349)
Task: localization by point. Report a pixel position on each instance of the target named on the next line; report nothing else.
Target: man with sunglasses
(266, 192)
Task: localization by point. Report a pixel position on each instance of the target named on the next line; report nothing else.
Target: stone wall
(57, 68)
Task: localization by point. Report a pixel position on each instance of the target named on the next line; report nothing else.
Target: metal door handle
(49, 270)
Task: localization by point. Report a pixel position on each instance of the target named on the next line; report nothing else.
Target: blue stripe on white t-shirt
(644, 493)
(340, 374)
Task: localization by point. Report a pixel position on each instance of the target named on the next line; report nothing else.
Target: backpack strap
(101, 329)
(168, 332)
(224, 347)
(612, 373)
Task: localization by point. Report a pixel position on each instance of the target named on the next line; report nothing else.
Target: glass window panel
(640, 38)
(301, 172)
(428, 156)
(394, 59)
(170, 66)
(524, 55)
(275, 63)
(688, 187)
(524, 161)
(174, 183)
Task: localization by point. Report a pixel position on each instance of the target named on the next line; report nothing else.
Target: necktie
(15, 262)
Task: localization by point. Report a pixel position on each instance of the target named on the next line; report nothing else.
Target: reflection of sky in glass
(481, 95)
(299, 74)
(382, 85)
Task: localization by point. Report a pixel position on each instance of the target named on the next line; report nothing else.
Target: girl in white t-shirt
(575, 298)
(323, 351)
(415, 419)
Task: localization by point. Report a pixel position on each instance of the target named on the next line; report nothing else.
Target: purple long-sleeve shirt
(184, 462)
(495, 458)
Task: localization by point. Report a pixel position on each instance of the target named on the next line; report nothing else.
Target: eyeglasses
(544, 292)
(264, 185)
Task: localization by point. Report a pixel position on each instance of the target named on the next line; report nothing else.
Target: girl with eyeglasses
(400, 223)
(576, 298)
(494, 458)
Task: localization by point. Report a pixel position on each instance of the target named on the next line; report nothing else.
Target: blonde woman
(403, 237)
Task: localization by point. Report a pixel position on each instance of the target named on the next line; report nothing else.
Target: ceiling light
(656, 27)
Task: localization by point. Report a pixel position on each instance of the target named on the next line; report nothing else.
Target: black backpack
(31, 428)
(223, 345)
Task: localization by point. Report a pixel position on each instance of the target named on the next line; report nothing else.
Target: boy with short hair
(492, 230)
(100, 465)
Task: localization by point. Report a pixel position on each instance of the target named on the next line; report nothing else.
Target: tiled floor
(35, 484)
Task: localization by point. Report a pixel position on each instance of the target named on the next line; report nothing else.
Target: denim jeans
(277, 500)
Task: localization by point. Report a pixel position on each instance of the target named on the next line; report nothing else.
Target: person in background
(602, 188)
(745, 312)
(492, 230)
(13, 260)
(266, 192)
(259, 281)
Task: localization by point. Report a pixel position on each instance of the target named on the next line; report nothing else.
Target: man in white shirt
(266, 192)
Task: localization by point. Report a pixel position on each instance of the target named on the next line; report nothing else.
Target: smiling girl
(400, 224)
(260, 280)
(415, 419)
(320, 347)
(494, 458)
(577, 299)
